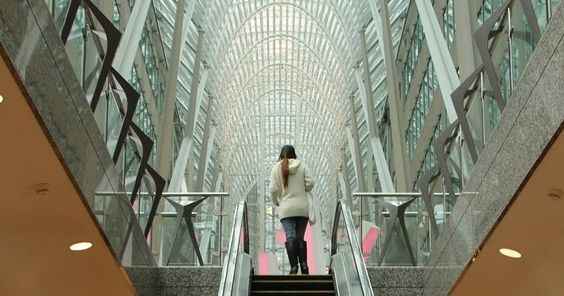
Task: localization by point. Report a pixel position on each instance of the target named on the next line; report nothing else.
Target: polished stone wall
(31, 43)
(533, 115)
(175, 281)
(396, 280)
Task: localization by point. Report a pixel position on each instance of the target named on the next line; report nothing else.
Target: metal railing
(185, 213)
(236, 273)
(345, 248)
(394, 207)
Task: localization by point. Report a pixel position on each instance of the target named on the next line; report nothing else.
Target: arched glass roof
(282, 72)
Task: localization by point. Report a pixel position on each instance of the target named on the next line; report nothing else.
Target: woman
(289, 182)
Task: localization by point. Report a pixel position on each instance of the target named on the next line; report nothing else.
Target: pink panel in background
(308, 237)
(280, 237)
(369, 241)
(264, 263)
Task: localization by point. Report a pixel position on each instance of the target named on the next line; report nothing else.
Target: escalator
(348, 274)
(313, 285)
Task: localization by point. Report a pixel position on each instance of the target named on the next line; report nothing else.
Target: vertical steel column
(107, 8)
(191, 125)
(184, 164)
(164, 144)
(209, 137)
(205, 154)
(387, 48)
(262, 176)
(365, 89)
(355, 150)
(384, 175)
(298, 143)
(466, 23)
(196, 93)
(345, 188)
(440, 56)
(345, 174)
(129, 43)
(196, 88)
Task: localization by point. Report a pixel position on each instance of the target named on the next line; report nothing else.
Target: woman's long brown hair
(287, 152)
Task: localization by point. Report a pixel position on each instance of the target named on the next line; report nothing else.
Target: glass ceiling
(281, 72)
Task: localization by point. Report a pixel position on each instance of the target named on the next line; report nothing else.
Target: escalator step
(292, 285)
(295, 293)
(292, 277)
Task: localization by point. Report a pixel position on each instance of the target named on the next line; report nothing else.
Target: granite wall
(397, 280)
(533, 115)
(175, 281)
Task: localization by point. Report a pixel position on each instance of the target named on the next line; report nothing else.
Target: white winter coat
(292, 201)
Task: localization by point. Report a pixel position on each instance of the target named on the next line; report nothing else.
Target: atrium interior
(146, 131)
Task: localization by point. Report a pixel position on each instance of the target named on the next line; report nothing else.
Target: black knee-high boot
(302, 255)
(292, 250)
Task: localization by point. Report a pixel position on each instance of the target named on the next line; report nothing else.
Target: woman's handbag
(312, 208)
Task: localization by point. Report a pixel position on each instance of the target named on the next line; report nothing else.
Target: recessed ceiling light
(555, 193)
(42, 189)
(1, 99)
(510, 253)
(80, 246)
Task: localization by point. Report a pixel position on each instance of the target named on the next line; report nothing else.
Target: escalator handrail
(240, 224)
(344, 210)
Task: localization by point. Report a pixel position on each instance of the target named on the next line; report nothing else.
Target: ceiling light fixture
(81, 246)
(510, 253)
(555, 193)
(1, 99)
(42, 189)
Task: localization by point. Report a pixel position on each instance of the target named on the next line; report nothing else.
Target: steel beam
(355, 149)
(183, 160)
(387, 48)
(344, 187)
(129, 43)
(262, 175)
(465, 24)
(440, 56)
(205, 153)
(166, 132)
(344, 175)
(355, 153)
(384, 175)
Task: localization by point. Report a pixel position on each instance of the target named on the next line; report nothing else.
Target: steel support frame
(440, 55)
(354, 148)
(465, 24)
(129, 54)
(344, 174)
(129, 43)
(384, 175)
(166, 132)
(205, 153)
(196, 92)
(261, 187)
(382, 24)
(165, 143)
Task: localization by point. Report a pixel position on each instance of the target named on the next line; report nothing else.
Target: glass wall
(86, 49)
(411, 62)
(511, 45)
(421, 110)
